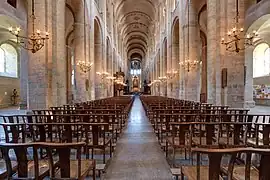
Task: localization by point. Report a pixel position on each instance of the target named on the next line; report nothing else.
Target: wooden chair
(24, 162)
(215, 168)
(69, 167)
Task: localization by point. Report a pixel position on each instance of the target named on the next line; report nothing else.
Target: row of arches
(253, 67)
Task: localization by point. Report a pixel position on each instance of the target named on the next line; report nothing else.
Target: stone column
(59, 57)
(193, 73)
(204, 71)
(158, 73)
(165, 56)
(169, 50)
(211, 50)
(23, 78)
(38, 83)
(80, 54)
(91, 32)
(235, 61)
(47, 67)
(182, 58)
(110, 71)
(249, 101)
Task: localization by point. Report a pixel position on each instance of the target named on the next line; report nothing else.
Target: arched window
(261, 60)
(8, 61)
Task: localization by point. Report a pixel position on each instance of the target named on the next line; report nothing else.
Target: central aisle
(138, 155)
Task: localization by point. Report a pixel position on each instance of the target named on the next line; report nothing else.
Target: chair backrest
(215, 162)
(64, 154)
(15, 132)
(22, 156)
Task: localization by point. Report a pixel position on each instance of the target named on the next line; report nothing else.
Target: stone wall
(261, 80)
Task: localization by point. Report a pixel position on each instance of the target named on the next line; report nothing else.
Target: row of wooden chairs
(195, 128)
(59, 161)
(97, 127)
(217, 170)
(95, 135)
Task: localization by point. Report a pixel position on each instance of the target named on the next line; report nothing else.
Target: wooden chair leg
(173, 157)
(104, 152)
(182, 176)
(111, 149)
(94, 173)
(166, 149)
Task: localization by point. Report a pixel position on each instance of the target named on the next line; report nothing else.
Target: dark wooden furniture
(215, 169)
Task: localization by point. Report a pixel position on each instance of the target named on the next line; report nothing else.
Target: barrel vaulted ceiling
(135, 18)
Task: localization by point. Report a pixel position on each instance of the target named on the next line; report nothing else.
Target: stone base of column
(249, 104)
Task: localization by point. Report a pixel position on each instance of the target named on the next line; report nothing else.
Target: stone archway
(174, 86)
(12, 75)
(203, 95)
(70, 52)
(261, 25)
(98, 58)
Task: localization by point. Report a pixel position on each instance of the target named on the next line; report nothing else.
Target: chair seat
(239, 172)
(101, 142)
(191, 172)
(86, 166)
(176, 142)
(201, 141)
(252, 142)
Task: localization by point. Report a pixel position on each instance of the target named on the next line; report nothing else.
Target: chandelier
(111, 78)
(189, 64)
(103, 75)
(157, 82)
(162, 79)
(84, 65)
(237, 39)
(171, 74)
(36, 40)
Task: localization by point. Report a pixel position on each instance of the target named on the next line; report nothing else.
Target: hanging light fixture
(171, 74)
(163, 79)
(83, 65)
(189, 64)
(36, 40)
(237, 36)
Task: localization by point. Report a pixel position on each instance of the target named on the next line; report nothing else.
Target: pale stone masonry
(116, 29)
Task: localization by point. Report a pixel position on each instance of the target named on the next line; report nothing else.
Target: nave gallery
(135, 90)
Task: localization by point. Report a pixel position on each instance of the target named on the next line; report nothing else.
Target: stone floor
(260, 110)
(138, 155)
(12, 110)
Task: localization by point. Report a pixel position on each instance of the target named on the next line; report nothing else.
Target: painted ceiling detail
(135, 20)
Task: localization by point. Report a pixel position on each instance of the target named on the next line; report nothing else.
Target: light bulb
(47, 34)
(38, 31)
(10, 29)
(18, 29)
(242, 29)
(248, 36)
(234, 29)
(16, 32)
